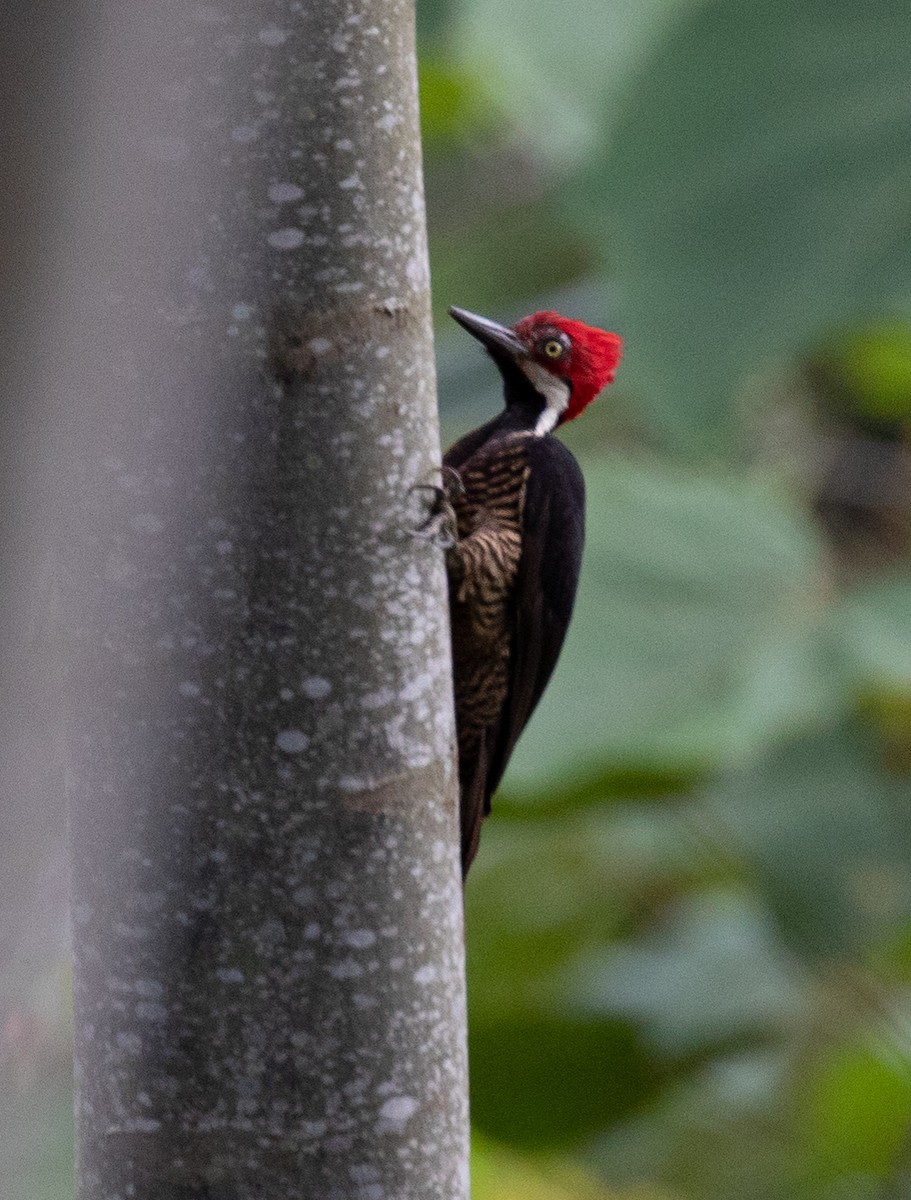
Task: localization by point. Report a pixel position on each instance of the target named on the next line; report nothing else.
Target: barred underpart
(482, 572)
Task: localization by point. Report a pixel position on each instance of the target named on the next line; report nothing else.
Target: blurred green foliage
(873, 366)
(454, 106)
(858, 1109)
(689, 925)
(690, 920)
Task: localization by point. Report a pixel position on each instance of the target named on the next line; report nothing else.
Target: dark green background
(690, 921)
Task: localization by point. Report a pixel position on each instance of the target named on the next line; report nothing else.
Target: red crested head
(584, 357)
(565, 362)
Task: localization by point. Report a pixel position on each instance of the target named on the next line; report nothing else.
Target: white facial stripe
(547, 420)
(555, 392)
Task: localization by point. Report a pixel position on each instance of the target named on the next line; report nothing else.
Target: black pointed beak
(489, 333)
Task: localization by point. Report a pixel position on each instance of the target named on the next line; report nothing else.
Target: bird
(511, 510)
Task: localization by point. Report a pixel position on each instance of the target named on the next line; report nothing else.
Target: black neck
(523, 408)
(524, 404)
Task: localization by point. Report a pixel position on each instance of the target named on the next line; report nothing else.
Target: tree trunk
(267, 920)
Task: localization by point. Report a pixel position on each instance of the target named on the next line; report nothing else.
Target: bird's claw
(441, 527)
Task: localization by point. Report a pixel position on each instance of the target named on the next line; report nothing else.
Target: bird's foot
(440, 527)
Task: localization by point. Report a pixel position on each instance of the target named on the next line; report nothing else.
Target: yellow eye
(553, 348)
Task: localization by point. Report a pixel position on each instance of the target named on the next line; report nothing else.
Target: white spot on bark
(319, 345)
(286, 239)
(399, 1109)
(273, 36)
(416, 272)
(141, 1125)
(244, 134)
(285, 193)
(346, 969)
(292, 741)
(229, 975)
(315, 687)
(360, 939)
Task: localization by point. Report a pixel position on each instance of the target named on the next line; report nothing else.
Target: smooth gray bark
(268, 919)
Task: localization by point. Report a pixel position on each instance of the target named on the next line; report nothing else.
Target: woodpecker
(513, 498)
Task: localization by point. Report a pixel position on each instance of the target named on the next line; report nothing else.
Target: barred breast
(482, 570)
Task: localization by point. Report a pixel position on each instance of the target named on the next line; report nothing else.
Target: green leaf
(543, 1081)
(562, 66)
(433, 20)
(857, 1112)
(712, 972)
(871, 367)
(541, 897)
(874, 622)
(454, 105)
(612, 782)
(499, 1173)
(826, 831)
(756, 195)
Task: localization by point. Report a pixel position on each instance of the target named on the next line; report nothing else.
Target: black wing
(553, 535)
